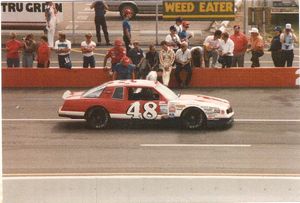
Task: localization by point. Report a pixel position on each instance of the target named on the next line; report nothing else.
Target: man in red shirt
(240, 47)
(43, 53)
(116, 54)
(12, 51)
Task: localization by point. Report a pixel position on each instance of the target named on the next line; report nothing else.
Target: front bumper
(70, 114)
(222, 122)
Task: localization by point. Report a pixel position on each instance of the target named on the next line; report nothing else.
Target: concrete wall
(150, 189)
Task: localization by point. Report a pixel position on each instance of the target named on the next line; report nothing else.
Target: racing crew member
(288, 38)
(256, 46)
(240, 47)
(275, 48)
(124, 70)
(211, 46)
(127, 29)
(63, 49)
(137, 57)
(183, 62)
(87, 48)
(116, 54)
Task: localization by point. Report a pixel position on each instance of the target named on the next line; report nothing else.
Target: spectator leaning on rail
(226, 51)
(166, 59)
(288, 38)
(63, 49)
(240, 47)
(152, 60)
(100, 8)
(124, 70)
(127, 29)
(197, 57)
(116, 54)
(173, 39)
(50, 14)
(43, 53)
(137, 57)
(87, 48)
(256, 46)
(275, 48)
(183, 62)
(178, 24)
(211, 46)
(12, 47)
(29, 48)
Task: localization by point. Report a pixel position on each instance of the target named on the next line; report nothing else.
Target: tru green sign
(199, 10)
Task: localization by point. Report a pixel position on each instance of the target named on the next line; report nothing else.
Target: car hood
(203, 100)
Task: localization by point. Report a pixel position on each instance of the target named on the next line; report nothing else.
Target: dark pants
(255, 58)
(40, 65)
(13, 62)
(101, 21)
(64, 61)
(187, 68)
(89, 61)
(227, 61)
(238, 60)
(288, 57)
(277, 58)
(127, 43)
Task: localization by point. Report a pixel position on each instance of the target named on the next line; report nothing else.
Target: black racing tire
(130, 7)
(193, 118)
(98, 118)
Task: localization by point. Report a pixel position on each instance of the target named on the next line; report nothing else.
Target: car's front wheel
(193, 118)
(98, 118)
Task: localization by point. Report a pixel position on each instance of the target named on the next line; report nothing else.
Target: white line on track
(195, 145)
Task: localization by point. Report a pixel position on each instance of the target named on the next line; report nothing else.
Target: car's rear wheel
(130, 7)
(193, 118)
(98, 118)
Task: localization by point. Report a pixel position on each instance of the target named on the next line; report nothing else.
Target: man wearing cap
(137, 57)
(124, 70)
(116, 54)
(183, 62)
(240, 47)
(87, 48)
(63, 49)
(173, 39)
(178, 24)
(127, 29)
(275, 48)
(288, 38)
(184, 35)
(211, 46)
(256, 46)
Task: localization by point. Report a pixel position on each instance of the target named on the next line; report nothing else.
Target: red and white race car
(143, 99)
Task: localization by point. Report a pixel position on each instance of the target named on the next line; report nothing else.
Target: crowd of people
(131, 62)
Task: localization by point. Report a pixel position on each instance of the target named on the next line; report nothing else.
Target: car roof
(131, 83)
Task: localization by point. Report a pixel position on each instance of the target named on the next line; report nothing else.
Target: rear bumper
(220, 122)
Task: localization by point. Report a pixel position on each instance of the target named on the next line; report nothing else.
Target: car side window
(118, 93)
(145, 93)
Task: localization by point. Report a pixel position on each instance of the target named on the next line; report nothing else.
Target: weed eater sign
(199, 10)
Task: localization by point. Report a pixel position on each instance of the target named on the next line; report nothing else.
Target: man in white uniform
(50, 14)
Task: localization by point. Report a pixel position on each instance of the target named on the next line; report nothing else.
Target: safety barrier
(124, 189)
(202, 77)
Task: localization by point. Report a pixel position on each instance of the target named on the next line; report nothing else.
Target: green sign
(199, 10)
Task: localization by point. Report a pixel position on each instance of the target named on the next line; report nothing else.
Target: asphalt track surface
(264, 140)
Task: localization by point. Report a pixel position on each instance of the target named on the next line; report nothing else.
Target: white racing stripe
(267, 120)
(195, 145)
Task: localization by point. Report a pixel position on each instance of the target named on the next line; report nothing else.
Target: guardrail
(201, 77)
(124, 189)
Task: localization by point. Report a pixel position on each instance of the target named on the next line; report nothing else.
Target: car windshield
(94, 91)
(166, 92)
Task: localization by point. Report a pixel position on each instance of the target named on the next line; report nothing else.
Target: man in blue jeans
(183, 62)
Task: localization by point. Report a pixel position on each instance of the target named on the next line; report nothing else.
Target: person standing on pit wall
(116, 54)
(124, 70)
(43, 53)
(29, 48)
(127, 29)
(50, 14)
(137, 57)
(178, 24)
(256, 46)
(211, 46)
(275, 48)
(87, 48)
(183, 62)
(240, 47)
(63, 49)
(288, 38)
(226, 50)
(100, 8)
(166, 59)
(12, 47)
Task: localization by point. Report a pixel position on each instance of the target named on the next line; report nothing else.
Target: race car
(143, 99)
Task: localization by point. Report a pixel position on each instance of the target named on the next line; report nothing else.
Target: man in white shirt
(87, 48)
(226, 51)
(63, 49)
(155, 75)
(178, 24)
(173, 39)
(183, 62)
(211, 46)
(287, 39)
